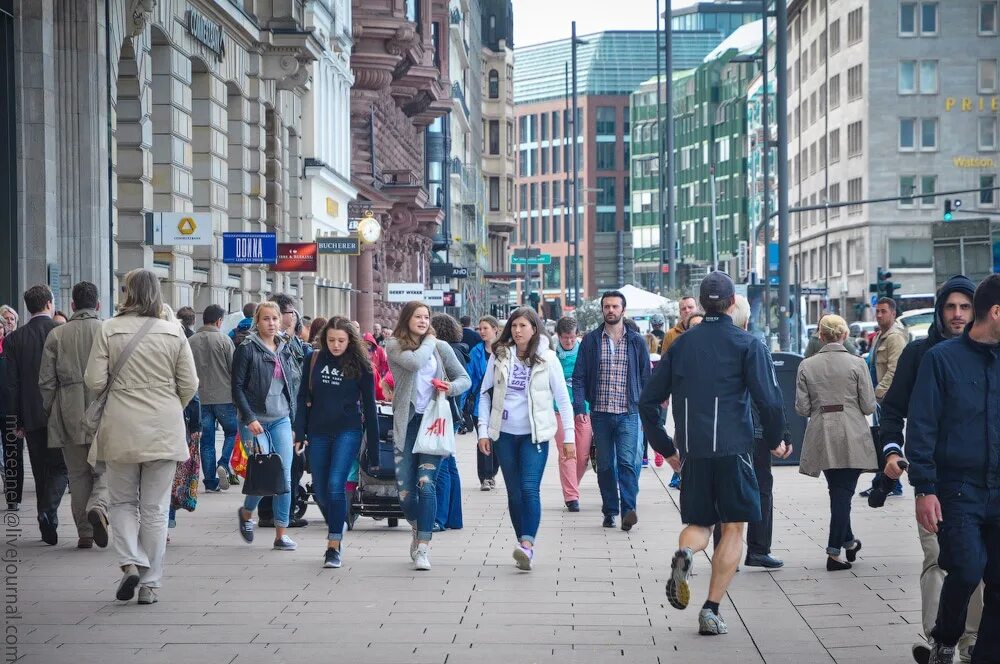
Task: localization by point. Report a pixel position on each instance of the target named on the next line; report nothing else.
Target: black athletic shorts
(719, 490)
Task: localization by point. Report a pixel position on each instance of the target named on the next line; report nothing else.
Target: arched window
(494, 84)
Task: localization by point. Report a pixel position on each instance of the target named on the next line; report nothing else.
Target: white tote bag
(437, 431)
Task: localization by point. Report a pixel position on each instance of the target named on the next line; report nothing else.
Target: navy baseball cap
(717, 286)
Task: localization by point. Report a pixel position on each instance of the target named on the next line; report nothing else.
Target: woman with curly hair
(337, 389)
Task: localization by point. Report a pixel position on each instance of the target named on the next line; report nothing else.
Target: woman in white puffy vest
(517, 419)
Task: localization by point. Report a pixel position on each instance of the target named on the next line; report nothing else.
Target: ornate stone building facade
(132, 106)
(400, 60)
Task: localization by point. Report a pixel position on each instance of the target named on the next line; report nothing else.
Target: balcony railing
(458, 93)
(456, 16)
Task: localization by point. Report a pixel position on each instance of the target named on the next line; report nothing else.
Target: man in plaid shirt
(611, 369)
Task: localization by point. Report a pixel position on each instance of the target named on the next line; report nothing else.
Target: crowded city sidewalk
(594, 595)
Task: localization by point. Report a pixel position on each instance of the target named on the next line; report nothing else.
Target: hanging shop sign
(249, 248)
(347, 246)
(296, 257)
(172, 228)
(206, 33)
(404, 292)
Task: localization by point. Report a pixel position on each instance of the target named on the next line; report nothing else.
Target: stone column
(366, 289)
(210, 158)
(173, 188)
(255, 278)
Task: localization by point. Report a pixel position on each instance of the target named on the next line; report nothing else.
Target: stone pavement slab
(596, 595)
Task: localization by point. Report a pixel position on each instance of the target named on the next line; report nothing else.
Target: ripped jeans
(415, 477)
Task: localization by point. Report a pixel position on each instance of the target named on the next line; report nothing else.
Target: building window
(834, 144)
(987, 76)
(510, 193)
(928, 134)
(834, 261)
(856, 255)
(988, 133)
(910, 253)
(556, 223)
(907, 134)
(523, 197)
(833, 90)
(988, 17)
(545, 228)
(834, 37)
(510, 138)
(551, 272)
(545, 161)
(606, 191)
(833, 196)
(854, 83)
(494, 83)
(494, 194)
(907, 188)
(987, 195)
(855, 140)
(533, 188)
(854, 194)
(918, 18)
(918, 76)
(928, 185)
(605, 222)
(555, 158)
(605, 156)
(494, 137)
(855, 26)
(534, 230)
(605, 120)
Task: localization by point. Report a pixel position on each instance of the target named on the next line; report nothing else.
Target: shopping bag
(184, 495)
(265, 474)
(238, 459)
(437, 433)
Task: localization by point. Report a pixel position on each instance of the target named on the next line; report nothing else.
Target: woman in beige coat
(834, 390)
(141, 436)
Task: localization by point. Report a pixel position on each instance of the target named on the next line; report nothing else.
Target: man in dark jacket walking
(953, 441)
(712, 373)
(953, 311)
(611, 368)
(23, 350)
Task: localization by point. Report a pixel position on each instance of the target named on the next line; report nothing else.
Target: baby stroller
(377, 495)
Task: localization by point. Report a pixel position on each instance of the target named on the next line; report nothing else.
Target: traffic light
(884, 286)
(950, 207)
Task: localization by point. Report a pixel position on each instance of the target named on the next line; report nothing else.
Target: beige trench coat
(841, 439)
(144, 417)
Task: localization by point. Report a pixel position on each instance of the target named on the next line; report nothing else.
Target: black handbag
(265, 474)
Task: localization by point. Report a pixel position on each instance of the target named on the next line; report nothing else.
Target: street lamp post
(668, 68)
(576, 175)
(781, 103)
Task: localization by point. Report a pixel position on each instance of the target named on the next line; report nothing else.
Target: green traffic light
(947, 216)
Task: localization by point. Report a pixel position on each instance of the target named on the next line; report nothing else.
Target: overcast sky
(537, 21)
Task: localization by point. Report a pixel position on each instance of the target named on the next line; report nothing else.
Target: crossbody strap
(129, 347)
(312, 367)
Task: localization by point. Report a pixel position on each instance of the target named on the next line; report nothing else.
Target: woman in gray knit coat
(417, 358)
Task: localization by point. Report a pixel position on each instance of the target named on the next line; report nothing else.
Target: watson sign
(249, 248)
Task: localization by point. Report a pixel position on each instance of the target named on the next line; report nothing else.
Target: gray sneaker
(223, 476)
(130, 579)
(711, 623)
(678, 591)
(285, 544)
(942, 654)
(147, 595)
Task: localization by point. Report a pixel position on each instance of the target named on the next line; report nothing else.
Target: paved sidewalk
(596, 595)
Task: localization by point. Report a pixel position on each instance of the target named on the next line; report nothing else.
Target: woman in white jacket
(517, 419)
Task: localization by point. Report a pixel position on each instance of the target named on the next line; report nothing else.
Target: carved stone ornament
(138, 16)
(286, 69)
(403, 40)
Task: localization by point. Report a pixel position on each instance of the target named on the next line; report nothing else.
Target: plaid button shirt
(612, 383)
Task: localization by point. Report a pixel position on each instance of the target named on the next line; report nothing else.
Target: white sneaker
(421, 561)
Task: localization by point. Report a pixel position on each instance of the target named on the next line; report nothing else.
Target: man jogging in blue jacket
(711, 374)
(953, 443)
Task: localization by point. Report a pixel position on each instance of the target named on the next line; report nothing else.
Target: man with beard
(612, 367)
(953, 311)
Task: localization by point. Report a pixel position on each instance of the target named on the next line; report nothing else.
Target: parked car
(917, 322)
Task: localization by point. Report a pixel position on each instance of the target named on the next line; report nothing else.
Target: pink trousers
(571, 470)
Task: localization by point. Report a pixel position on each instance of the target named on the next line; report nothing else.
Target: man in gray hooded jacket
(65, 399)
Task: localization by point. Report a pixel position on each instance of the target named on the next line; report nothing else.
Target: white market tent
(640, 301)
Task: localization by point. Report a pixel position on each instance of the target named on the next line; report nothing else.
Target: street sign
(404, 292)
(441, 269)
(509, 276)
(543, 259)
(348, 246)
(296, 257)
(172, 228)
(529, 252)
(460, 273)
(435, 298)
(249, 248)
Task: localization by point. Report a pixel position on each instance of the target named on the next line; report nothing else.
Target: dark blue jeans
(225, 415)
(969, 537)
(449, 495)
(841, 484)
(616, 438)
(522, 463)
(416, 475)
(330, 459)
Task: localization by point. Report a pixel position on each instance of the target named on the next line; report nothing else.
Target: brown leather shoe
(85, 543)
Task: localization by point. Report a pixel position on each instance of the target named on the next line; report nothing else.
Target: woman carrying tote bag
(141, 434)
(421, 365)
(517, 419)
(265, 386)
(834, 390)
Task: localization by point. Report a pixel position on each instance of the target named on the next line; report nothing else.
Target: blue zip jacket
(712, 373)
(953, 423)
(476, 370)
(587, 371)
